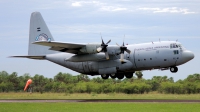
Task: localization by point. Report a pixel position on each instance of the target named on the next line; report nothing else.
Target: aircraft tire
(104, 76)
(173, 69)
(120, 76)
(129, 75)
(113, 76)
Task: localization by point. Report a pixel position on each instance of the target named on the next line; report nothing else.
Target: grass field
(99, 107)
(24, 95)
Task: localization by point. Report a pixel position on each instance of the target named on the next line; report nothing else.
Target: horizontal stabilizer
(30, 57)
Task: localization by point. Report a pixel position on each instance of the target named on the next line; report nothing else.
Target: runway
(104, 100)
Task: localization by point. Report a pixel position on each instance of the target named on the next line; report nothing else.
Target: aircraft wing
(62, 46)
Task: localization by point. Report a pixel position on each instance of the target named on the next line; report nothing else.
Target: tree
(139, 74)
(3, 76)
(13, 79)
(59, 77)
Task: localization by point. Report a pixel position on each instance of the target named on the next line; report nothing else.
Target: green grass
(24, 95)
(99, 107)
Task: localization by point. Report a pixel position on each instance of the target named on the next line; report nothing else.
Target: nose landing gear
(173, 69)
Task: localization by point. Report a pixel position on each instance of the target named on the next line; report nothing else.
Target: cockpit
(176, 45)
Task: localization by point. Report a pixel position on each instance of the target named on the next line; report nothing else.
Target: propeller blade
(128, 51)
(122, 57)
(107, 56)
(108, 42)
(102, 41)
(117, 44)
(99, 49)
(104, 48)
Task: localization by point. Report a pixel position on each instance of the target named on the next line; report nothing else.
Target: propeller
(123, 48)
(104, 48)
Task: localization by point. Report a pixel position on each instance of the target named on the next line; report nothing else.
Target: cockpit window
(181, 47)
(173, 45)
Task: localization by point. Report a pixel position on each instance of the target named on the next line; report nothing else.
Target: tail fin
(38, 32)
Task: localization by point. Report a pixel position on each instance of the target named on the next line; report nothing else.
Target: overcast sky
(83, 21)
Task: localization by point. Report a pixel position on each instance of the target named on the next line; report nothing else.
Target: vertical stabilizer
(38, 32)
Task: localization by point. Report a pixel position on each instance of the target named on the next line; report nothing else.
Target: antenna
(100, 35)
(124, 38)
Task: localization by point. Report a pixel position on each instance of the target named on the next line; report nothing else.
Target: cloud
(112, 8)
(85, 3)
(168, 10)
(76, 4)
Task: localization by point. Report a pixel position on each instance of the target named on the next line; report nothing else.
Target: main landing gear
(104, 76)
(173, 69)
(117, 75)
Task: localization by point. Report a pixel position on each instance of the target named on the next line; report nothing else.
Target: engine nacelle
(90, 48)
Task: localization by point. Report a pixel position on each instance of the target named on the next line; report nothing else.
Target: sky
(82, 21)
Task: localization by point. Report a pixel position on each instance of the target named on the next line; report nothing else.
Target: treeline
(67, 83)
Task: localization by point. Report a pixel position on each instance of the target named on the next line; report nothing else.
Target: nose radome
(187, 55)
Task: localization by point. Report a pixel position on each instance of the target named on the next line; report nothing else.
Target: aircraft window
(150, 58)
(173, 46)
(145, 59)
(165, 59)
(176, 52)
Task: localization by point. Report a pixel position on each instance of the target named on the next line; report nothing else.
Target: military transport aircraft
(113, 61)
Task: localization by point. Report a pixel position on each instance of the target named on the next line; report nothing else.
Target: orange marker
(27, 84)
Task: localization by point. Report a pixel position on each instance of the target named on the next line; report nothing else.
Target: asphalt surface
(107, 100)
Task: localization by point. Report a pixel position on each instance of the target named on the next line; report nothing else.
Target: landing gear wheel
(173, 69)
(129, 75)
(104, 76)
(120, 76)
(113, 76)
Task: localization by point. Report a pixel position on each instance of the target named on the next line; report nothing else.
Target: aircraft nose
(187, 55)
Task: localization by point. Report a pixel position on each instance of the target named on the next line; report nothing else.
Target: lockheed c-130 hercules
(102, 59)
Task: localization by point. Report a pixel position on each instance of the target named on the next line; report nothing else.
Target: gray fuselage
(146, 56)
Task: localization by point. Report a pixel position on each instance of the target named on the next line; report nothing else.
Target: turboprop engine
(90, 48)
